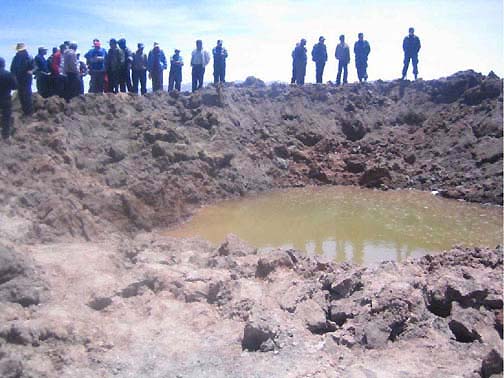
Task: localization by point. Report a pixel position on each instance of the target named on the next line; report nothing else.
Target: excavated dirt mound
(128, 163)
(88, 288)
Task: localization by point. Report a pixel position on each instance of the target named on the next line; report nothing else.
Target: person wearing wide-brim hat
(22, 69)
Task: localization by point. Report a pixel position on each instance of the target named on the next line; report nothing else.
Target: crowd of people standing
(411, 47)
(119, 69)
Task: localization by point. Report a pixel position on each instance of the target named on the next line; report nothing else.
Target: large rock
(353, 129)
(375, 177)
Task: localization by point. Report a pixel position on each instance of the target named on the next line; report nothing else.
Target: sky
(260, 34)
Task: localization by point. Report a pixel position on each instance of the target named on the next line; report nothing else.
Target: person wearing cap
(125, 76)
(7, 84)
(343, 55)
(411, 47)
(71, 70)
(199, 60)
(95, 59)
(361, 50)
(156, 64)
(300, 60)
(175, 77)
(22, 69)
(139, 70)
(219, 62)
(114, 64)
(42, 73)
(319, 56)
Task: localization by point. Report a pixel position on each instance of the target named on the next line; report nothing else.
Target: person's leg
(216, 73)
(338, 77)
(345, 73)
(171, 80)
(129, 85)
(6, 109)
(161, 80)
(100, 81)
(201, 77)
(414, 61)
(178, 80)
(194, 75)
(25, 96)
(135, 74)
(405, 67)
(223, 73)
(143, 81)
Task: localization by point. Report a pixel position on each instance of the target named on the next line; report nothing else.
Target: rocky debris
(287, 305)
(353, 129)
(375, 177)
(19, 280)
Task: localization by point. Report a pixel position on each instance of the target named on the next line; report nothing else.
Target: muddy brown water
(348, 223)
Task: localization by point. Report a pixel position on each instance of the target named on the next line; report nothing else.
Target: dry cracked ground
(89, 288)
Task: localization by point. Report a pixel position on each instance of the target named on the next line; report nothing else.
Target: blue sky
(260, 35)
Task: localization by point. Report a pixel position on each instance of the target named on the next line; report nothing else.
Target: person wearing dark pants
(300, 60)
(343, 55)
(71, 70)
(125, 77)
(42, 73)
(411, 47)
(361, 50)
(293, 77)
(319, 56)
(175, 77)
(22, 69)
(95, 59)
(156, 64)
(7, 84)
(114, 64)
(199, 59)
(219, 57)
(139, 70)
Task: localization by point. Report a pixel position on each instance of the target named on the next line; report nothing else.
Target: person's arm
(225, 53)
(163, 60)
(368, 48)
(13, 82)
(419, 45)
(405, 44)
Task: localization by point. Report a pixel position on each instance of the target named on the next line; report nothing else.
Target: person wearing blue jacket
(22, 69)
(7, 84)
(411, 47)
(361, 50)
(156, 64)
(219, 62)
(95, 59)
(175, 77)
(42, 73)
(319, 56)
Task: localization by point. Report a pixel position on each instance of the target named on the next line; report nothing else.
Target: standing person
(57, 79)
(199, 59)
(156, 64)
(83, 71)
(95, 59)
(343, 55)
(219, 58)
(361, 51)
(411, 46)
(176, 63)
(7, 84)
(300, 60)
(125, 77)
(293, 78)
(22, 69)
(139, 70)
(42, 73)
(319, 56)
(114, 64)
(71, 70)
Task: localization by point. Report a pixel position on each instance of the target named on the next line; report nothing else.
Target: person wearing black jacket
(319, 56)
(7, 84)
(125, 76)
(361, 50)
(22, 69)
(300, 60)
(411, 47)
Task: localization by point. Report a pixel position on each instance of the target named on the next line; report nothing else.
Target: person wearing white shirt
(199, 59)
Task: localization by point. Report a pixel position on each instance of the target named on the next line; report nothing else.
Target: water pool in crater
(351, 224)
